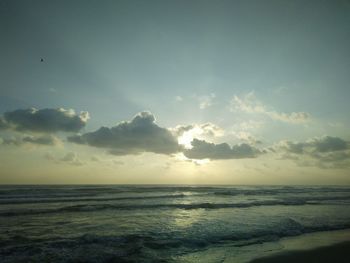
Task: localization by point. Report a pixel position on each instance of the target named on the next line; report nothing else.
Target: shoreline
(282, 250)
(324, 246)
(339, 252)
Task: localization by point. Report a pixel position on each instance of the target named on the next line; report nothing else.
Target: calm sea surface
(160, 223)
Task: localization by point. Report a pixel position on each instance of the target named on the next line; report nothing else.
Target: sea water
(142, 223)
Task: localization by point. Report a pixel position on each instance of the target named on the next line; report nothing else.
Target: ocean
(143, 223)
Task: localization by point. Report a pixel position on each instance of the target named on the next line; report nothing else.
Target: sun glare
(187, 137)
(182, 157)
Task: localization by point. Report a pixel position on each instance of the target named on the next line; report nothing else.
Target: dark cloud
(44, 120)
(181, 129)
(141, 134)
(333, 156)
(205, 150)
(324, 144)
(324, 152)
(330, 144)
(293, 147)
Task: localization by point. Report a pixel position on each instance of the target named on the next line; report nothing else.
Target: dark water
(159, 223)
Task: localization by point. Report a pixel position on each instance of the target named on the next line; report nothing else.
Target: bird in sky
(41, 60)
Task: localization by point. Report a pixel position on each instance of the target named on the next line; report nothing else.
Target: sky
(175, 92)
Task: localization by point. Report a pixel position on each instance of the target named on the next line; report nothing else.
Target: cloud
(42, 140)
(207, 129)
(52, 90)
(3, 124)
(179, 98)
(323, 144)
(39, 140)
(292, 147)
(205, 150)
(72, 159)
(206, 101)
(333, 156)
(324, 152)
(250, 125)
(186, 133)
(247, 137)
(330, 144)
(69, 158)
(250, 104)
(116, 162)
(181, 129)
(94, 159)
(44, 120)
(11, 141)
(49, 156)
(210, 129)
(141, 134)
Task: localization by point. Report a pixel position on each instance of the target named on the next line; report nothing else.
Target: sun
(187, 137)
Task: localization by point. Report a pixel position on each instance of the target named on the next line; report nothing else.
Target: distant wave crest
(98, 207)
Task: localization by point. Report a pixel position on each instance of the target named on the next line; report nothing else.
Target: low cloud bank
(324, 152)
(205, 150)
(44, 120)
(48, 140)
(324, 144)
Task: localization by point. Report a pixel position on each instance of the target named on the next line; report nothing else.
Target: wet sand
(337, 253)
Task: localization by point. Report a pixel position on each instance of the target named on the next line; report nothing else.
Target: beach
(339, 253)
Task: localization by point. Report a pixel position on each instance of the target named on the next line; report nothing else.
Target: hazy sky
(222, 92)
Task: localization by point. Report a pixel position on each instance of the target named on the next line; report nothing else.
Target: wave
(15, 192)
(100, 207)
(137, 247)
(280, 191)
(40, 194)
(70, 200)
